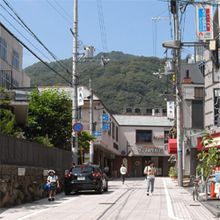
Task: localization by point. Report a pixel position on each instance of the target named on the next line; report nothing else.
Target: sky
(128, 26)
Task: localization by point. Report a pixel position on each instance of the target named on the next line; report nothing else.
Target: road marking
(169, 203)
(46, 209)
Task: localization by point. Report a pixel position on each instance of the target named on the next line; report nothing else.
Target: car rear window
(82, 169)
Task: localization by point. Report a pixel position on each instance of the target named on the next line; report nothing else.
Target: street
(128, 201)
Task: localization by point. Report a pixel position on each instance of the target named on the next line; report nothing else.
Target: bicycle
(196, 186)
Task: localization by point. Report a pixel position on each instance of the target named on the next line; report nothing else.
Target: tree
(49, 118)
(7, 118)
(208, 160)
(84, 141)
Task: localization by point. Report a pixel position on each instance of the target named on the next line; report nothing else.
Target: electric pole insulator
(173, 6)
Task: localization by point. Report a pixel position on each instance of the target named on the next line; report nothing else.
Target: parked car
(85, 177)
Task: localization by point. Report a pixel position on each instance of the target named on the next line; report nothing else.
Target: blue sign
(97, 133)
(105, 127)
(78, 127)
(105, 117)
(204, 22)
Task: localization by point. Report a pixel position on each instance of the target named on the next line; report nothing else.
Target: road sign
(78, 127)
(97, 133)
(204, 21)
(105, 127)
(105, 117)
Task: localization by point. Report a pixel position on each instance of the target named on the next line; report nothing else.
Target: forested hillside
(126, 81)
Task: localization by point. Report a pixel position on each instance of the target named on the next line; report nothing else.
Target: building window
(115, 146)
(199, 93)
(197, 114)
(149, 111)
(116, 133)
(137, 110)
(143, 136)
(157, 111)
(128, 110)
(3, 49)
(217, 107)
(15, 60)
(166, 136)
(113, 130)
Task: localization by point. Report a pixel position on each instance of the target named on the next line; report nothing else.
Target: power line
(64, 16)
(66, 12)
(102, 25)
(25, 46)
(35, 36)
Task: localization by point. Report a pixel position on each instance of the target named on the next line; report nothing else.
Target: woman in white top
(150, 171)
(123, 171)
(52, 179)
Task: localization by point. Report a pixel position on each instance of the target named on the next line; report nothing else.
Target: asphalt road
(121, 202)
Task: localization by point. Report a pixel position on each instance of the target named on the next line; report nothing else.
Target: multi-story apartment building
(192, 87)
(11, 56)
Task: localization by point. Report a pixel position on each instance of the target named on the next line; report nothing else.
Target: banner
(170, 110)
(204, 22)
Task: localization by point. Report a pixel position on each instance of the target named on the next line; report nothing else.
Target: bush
(173, 172)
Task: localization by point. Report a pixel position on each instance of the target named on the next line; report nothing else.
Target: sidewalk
(213, 205)
(183, 205)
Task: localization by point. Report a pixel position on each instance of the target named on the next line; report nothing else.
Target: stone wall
(22, 184)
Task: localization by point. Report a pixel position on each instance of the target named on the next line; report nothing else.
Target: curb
(213, 210)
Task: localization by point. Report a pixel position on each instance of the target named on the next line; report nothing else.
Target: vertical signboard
(80, 96)
(170, 110)
(204, 26)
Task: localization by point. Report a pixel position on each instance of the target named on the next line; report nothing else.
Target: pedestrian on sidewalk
(53, 181)
(123, 171)
(150, 172)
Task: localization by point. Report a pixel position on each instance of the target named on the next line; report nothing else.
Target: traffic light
(174, 78)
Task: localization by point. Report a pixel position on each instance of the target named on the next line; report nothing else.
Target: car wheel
(67, 192)
(106, 186)
(99, 190)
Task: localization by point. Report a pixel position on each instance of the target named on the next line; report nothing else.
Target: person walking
(53, 181)
(150, 172)
(123, 171)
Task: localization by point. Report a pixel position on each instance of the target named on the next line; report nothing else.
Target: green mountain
(125, 81)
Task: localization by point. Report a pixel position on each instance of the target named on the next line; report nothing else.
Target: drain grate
(194, 205)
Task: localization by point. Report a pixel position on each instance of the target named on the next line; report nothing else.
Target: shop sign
(150, 150)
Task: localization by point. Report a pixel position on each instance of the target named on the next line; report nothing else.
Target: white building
(11, 57)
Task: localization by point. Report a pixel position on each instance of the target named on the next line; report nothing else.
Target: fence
(26, 153)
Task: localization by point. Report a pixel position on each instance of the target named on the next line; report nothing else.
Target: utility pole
(177, 58)
(91, 147)
(74, 142)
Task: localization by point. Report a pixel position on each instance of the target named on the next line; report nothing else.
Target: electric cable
(64, 16)
(102, 25)
(36, 38)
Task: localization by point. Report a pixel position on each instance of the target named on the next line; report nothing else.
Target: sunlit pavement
(128, 201)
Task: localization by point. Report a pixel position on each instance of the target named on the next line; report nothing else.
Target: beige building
(11, 57)
(142, 139)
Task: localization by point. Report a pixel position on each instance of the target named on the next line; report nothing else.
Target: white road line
(169, 203)
(43, 210)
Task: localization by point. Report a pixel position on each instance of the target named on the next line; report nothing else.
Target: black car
(85, 177)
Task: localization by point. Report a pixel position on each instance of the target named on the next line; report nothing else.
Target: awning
(172, 146)
(215, 143)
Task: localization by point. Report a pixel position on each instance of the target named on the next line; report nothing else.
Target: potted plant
(172, 173)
